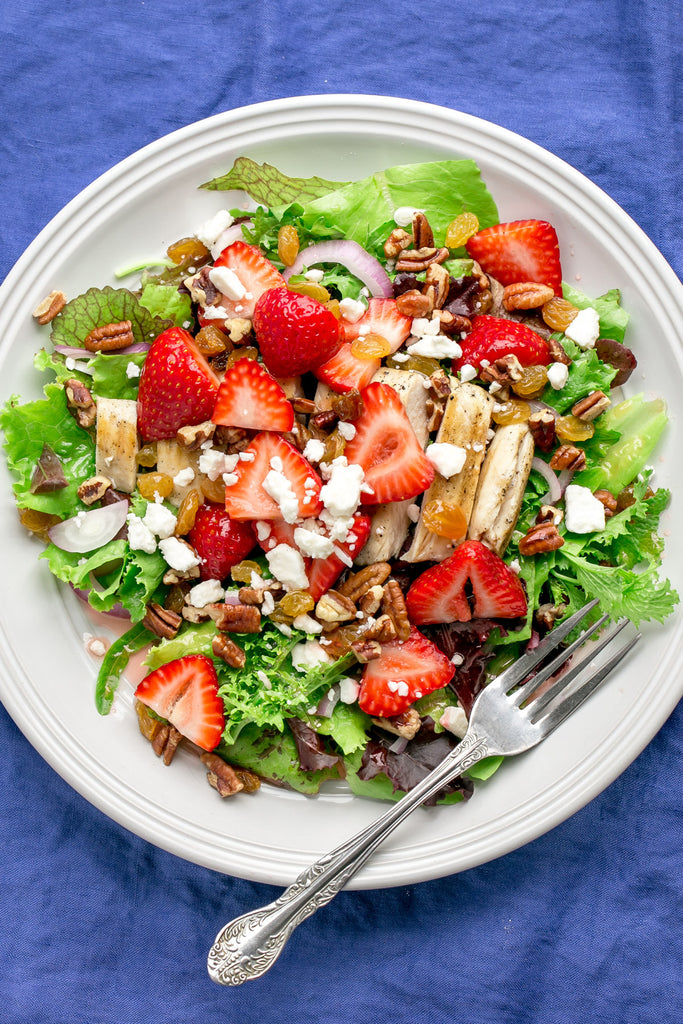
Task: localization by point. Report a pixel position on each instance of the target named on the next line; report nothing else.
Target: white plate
(46, 678)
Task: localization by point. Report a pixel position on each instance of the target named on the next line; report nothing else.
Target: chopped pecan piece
(394, 605)
(398, 240)
(526, 295)
(541, 537)
(80, 402)
(556, 352)
(192, 437)
(366, 650)
(454, 323)
(542, 427)
(93, 489)
(407, 724)
(303, 405)
(439, 383)
(238, 328)
(550, 514)
(414, 303)
(110, 337)
(163, 622)
(382, 629)
(608, 501)
(48, 308)
(415, 260)
(590, 407)
(435, 411)
(201, 288)
(235, 618)
(360, 582)
(192, 614)
(568, 456)
(423, 236)
(546, 615)
(324, 420)
(165, 738)
(334, 607)
(505, 370)
(437, 283)
(371, 601)
(221, 775)
(173, 576)
(230, 652)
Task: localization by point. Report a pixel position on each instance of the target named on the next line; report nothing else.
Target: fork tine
(563, 710)
(551, 668)
(518, 672)
(536, 706)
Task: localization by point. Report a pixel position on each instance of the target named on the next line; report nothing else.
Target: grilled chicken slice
(172, 458)
(391, 522)
(466, 423)
(117, 442)
(502, 482)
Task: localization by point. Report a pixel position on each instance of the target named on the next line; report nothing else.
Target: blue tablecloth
(583, 924)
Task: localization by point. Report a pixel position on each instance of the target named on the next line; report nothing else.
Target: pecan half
(394, 605)
(415, 260)
(93, 489)
(423, 235)
(434, 410)
(550, 514)
(407, 724)
(165, 738)
(414, 303)
(334, 607)
(80, 402)
(161, 621)
(454, 323)
(541, 537)
(235, 618)
(568, 456)
(366, 650)
(360, 582)
(221, 776)
(556, 352)
(608, 501)
(382, 629)
(174, 576)
(110, 337)
(371, 601)
(230, 652)
(437, 283)
(526, 295)
(590, 407)
(398, 240)
(48, 308)
(505, 370)
(542, 427)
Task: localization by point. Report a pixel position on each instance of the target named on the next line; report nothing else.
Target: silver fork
(501, 722)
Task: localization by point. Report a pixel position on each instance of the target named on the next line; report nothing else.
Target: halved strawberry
(295, 333)
(383, 318)
(521, 250)
(440, 594)
(385, 446)
(177, 386)
(405, 670)
(247, 499)
(220, 541)
(346, 372)
(250, 397)
(492, 337)
(185, 692)
(256, 274)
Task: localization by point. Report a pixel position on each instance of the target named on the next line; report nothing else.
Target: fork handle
(248, 946)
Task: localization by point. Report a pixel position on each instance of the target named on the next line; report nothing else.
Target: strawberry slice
(492, 337)
(255, 273)
(250, 397)
(299, 493)
(521, 250)
(185, 693)
(177, 386)
(440, 593)
(345, 371)
(220, 541)
(405, 670)
(386, 447)
(295, 332)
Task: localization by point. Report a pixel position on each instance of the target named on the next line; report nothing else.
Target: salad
(337, 459)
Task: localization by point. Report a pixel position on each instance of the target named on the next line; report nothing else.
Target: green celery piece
(266, 184)
(115, 662)
(640, 423)
(613, 319)
(99, 306)
(167, 303)
(273, 755)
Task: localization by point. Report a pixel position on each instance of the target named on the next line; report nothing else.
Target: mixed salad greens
(389, 300)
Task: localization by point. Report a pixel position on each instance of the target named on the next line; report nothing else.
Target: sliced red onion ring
(117, 612)
(328, 703)
(232, 234)
(87, 531)
(399, 745)
(554, 492)
(84, 353)
(352, 256)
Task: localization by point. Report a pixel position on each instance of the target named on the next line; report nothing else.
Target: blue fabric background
(98, 927)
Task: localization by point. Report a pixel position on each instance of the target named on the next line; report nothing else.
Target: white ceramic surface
(132, 212)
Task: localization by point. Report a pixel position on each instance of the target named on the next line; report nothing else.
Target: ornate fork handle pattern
(247, 946)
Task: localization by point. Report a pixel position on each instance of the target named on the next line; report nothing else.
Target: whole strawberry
(295, 332)
(177, 386)
(220, 541)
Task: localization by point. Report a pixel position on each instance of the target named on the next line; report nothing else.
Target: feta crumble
(178, 555)
(159, 520)
(228, 283)
(403, 216)
(347, 430)
(312, 545)
(584, 513)
(206, 592)
(455, 720)
(210, 230)
(184, 477)
(140, 537)
(584, 328)
(341, 494)
(352, 310)
(280, 490)
(308, 654)
(447, 459)
(467, 372)
(437, 346)
(314, 450)
(558, 375)
(132, 370)
(287, 566)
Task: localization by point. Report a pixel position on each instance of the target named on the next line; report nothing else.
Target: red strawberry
(250, 397)
(386, 447)
(295, 332)
(522, 250)
(440, 594)
(185, 692)
(177, 386)
(404, 671)
(492, 337)
(383, 318)
(220, 541)
(256, 273)
(247, 499)
(346, 372)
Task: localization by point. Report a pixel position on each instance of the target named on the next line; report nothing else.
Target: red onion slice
(352, 256)
(90, 530)
(117, 612)
(554, 492)
(84, 353)
(328, 703)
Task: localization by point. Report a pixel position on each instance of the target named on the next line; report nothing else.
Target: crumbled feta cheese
(230, 479)
(314, 450)
(312, 545)
(184, 477)
(268, 603)
(213, 227)
(287, 566)
(276, 463)
(214, 313)
(447, 459)
(423, 327)
(437, 346)
(413, 513)
(343, 556)
(140, 537)
(263, 529)
(177, 554)
(227, 282)
(309, 653)
(246, 456)
(206, 592)
(348, 690)
(402, 688)
(584, 513)
(352, 310)
(337, 526)
(347, 430)
(315, 275)
(159, 520)
(341, 494)
(214, 463)
(261, 675)
(455, 720)
(400, 357)
(558, 375)
(467, 372)
(584, 328)
(404, 215)
(132, 370)
(284, 628)
(280, 490)
(307, 624)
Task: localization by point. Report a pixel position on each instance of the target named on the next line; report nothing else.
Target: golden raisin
(187, 512)
(558, 313)
(333, 306)
(242, 572)
(370, 346)
(288, 244)
(187, 249)
(569, 428)
(423, 364)
(152, 484)
(175, 599)
(296, 602)
(461, 229)
(334, 447)
(211, 340)
(312, 289)
(445, 518)
(511, 412)
(532, 381)
(213, 490)
(247, 352)
(147, 456)
(37, 522)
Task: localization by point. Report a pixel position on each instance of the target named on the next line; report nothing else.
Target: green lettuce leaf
(348, 726)
(266, 184)
(110, 375)
(167, 303)
(272, 754)
(587, 373)
(100, 306)
(613, 319)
